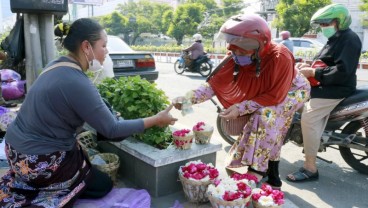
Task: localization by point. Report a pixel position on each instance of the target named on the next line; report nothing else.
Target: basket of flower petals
(202, 133)
(266, 197)
(195, 176)
(232, 192)
(183, 138)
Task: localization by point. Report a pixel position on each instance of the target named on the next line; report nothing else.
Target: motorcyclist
(195, 50)
(285, 36)
(337, 81)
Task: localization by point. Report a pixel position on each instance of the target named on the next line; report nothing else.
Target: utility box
(57, 7)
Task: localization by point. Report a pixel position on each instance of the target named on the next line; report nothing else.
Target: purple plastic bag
(13, 90)
(118, 198)
(9, 75)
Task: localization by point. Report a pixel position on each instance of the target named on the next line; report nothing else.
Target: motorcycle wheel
(178, 67)
(228, 138)
(205, 69)
(356, 159)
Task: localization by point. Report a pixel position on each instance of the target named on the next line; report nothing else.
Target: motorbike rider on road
(196, 50)
(337, 81)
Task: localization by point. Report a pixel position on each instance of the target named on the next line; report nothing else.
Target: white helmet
(197, 37)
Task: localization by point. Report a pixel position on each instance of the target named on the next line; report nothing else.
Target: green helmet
(331, 12)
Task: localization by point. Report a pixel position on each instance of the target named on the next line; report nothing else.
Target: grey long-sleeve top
(59, 102)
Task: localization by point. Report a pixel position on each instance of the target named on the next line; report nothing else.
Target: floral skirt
(263, 135)
(50, 180)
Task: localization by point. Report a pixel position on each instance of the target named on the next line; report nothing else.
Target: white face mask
(94, 65)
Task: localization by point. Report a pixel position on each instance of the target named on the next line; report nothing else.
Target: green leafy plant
(135, 98)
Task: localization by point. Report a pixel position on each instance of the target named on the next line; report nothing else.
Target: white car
(304, 46)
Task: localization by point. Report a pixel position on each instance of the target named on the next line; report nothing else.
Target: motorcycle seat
(360, 95)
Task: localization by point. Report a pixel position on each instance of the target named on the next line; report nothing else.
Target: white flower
(266, 201)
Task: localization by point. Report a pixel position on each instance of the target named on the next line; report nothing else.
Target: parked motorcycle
(202, 65)
(346, 130)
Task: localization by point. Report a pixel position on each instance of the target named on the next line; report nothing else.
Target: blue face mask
(242, 60)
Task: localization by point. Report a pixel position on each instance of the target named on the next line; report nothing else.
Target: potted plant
(133, 98)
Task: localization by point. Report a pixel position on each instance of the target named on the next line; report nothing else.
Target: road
(339, 185)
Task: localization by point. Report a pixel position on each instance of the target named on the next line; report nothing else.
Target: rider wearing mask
(257, 79)
(337, 80)
(285, 36)
(196, 50)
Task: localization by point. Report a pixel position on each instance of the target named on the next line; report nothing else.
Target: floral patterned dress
(264, 133)
(41, 180)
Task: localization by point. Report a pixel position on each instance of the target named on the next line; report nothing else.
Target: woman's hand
(301, 65)
(307, 71)
(230, 113)
(164, 118)
(161, 119)
(178, 102)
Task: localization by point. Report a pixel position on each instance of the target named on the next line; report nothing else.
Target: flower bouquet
(231, 192)
(183, 138)
(202, 133)
(195, 176)
(266, 197)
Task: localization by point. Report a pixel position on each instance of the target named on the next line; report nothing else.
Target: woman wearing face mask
(258, 79)
(47, 166)
(337, 80)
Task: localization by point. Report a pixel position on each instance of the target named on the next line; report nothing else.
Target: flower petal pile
(198, 126)
(268, 197)
(181, 133)
(232, 188)
(199, 171)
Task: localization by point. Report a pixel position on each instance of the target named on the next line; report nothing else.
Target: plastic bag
(14, 44)
(13, 90)
(8, 75)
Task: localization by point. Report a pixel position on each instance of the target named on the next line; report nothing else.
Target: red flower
(199, 171)
(198, 127)
(249, 177)
(230, 196)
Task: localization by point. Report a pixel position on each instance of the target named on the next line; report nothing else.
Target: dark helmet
(285, 34)
(331, 12)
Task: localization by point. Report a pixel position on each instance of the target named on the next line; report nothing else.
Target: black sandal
(303, 175)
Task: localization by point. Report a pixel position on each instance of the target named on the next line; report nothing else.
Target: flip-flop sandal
(303, 175)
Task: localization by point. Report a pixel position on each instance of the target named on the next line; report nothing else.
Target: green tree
(114, 23)
(231, 7)
(185, 21)
(295, 15)
(208, 4)
(364, 7)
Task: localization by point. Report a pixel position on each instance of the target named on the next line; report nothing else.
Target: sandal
(303, 175)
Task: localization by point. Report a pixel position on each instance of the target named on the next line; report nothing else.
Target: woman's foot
(303, 175)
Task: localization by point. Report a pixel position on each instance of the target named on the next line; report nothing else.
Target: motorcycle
(202, 65)
(347, 128)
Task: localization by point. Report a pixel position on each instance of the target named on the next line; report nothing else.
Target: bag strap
(64, 63)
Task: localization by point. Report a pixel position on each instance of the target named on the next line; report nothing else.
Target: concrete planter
(153, 169)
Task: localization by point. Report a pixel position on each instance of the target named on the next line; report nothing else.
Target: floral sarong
(51, 180)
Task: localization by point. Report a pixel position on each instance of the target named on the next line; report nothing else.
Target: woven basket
(218, 203)
(202, 137)
(234, 127)
(112, 164)
(194, 191)
(257, 205)
(87, 139)
(183, 142)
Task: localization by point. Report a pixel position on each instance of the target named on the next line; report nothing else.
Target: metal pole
(29, 56)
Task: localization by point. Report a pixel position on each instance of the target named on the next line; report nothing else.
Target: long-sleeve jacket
(341, 55)
(196, 50)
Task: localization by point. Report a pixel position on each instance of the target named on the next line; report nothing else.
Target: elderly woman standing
(47, 166)
(257, 79)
